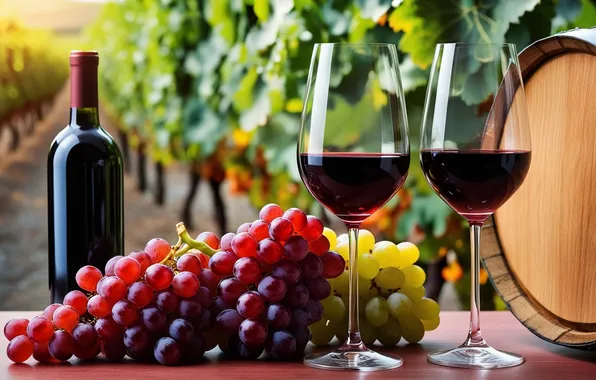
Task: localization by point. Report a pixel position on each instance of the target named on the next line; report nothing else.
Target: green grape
(415, 276)
(411, 328)
(390, 278)
(425, 308)
(343, 249)
(334, 308)
(431, 324)
(377, 311)
(366, 242)
(408, 254)
(331, 236)
(365, 289)
(390, 333)
(413, 293)
(343, 238)
(341, 284)
(368, 266)
(367, 332)
(321, 333)
(386, 254)
(399, 304)
(339, 328)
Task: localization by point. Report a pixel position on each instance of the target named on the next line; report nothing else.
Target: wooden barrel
(540, 248)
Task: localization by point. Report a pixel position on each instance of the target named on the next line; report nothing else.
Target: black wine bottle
(85, 185)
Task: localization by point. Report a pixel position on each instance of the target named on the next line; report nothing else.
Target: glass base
(365, 360)
(476, 356)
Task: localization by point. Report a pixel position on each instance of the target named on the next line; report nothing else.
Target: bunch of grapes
(391, 294)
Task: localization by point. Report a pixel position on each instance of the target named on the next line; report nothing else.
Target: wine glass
(475, 153)
(353, 156)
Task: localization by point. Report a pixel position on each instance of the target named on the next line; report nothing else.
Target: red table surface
(501, 329)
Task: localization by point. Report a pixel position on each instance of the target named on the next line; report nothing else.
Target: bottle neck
(83, 90)
(84, 117)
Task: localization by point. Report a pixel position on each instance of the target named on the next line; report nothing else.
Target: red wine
(353, 185)
(475, 183)
(85, 186)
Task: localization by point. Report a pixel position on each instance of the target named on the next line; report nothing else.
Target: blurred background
(204, 98)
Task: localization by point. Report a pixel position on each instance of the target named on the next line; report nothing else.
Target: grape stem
(188, 243)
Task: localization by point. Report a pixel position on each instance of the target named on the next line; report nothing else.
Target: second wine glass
(353, 156)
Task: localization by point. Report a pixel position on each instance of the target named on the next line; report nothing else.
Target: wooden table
(543, 360)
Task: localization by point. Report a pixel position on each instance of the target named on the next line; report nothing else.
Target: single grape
(315, 308)
(343, 238)
(282, 345)
(181, 331)
(318, 288)
(125, 313)
(334, 308)
(411, 328)
(40, 329)
(41, 352)
(259, 230)
(77, 300)
(19, 349)
(313, 229)
(253, 332)
(250, 304)
(226, 241)
(296, 248)
(300, 317)
(425, 308)
(331, 236)
(302, 335)
(244, 245)
(376, 311)
(386, 254)
(204, 297)
(340, 328)
(154, 319)
(247, 270)
(296, 296)
(272, 288)
(87, 353)
(218, 306)
(203, 258)
(297, 217)
(87, 277)
(85, 335)
(368, 266)
(248, 353)
(113, 289)
(48, 312)
(109, 268)
(278, 316)
(269, 212)
(321, 333)
(98, 306)
(209, 280)
(194, 349)
(366, 242)
(341, 284)
(157, 249)
(167, 301)
(431, 324)
(368, 333)
(205, 322)
(399, 304)
(244, 227)
(333, 264)
(107, 329)
(343, 249)
(209, 238)
(228, 321)
(189, 309)
(311, 266)
(390, 278)
(281, 229)
(140, 294)
(15, 327)
(389, 334)
(408, 254)
(61, 345)
(189, 263)
(269, 251)
(128, 270)
(159, 276)
(185, 284)
(113, 350)
(222, 263)
(142, 258)
(319, 246)
(415, 276)
(230, 289)
(287, 270)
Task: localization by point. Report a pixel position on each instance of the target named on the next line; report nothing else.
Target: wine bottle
(85, 185)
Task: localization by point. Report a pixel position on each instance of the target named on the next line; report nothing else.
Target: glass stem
(354, 341)
(475, 334)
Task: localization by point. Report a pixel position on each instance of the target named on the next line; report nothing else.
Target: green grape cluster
(391, 293)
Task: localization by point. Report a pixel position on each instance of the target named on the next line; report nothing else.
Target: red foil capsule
(83, 79)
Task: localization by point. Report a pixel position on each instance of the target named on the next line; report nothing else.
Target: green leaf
(412, 76)
(243, 98)
(261, 9)
(203, 127)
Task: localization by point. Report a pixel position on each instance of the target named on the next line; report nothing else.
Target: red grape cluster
(258, 291)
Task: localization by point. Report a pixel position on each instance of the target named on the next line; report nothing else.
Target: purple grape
(194, 349)
(278, 316)
(154, 319)
(318, 288)
(218, 306)
(205, 322)
(181, 331)
(287, 270)
(302, 335)
(203, 297)
(253, 332)
(248, 270)
(296, 296)
(85, 335)
(333, 264)
(61, 345)
(228, 321)
(250, 304)
(189, 309)
(281, 345)
(230, 290)
(296, 248)
(168, 301)
(272, 288)
(167, 351)
(311, 266)
(249, 353)
(315, 309)
(301, 317)
(137, 338)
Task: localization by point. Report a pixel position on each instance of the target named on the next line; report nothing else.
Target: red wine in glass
(474, 182)
(353, 185)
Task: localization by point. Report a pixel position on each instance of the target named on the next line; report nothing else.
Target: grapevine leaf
(203, 126)
(261, 9)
